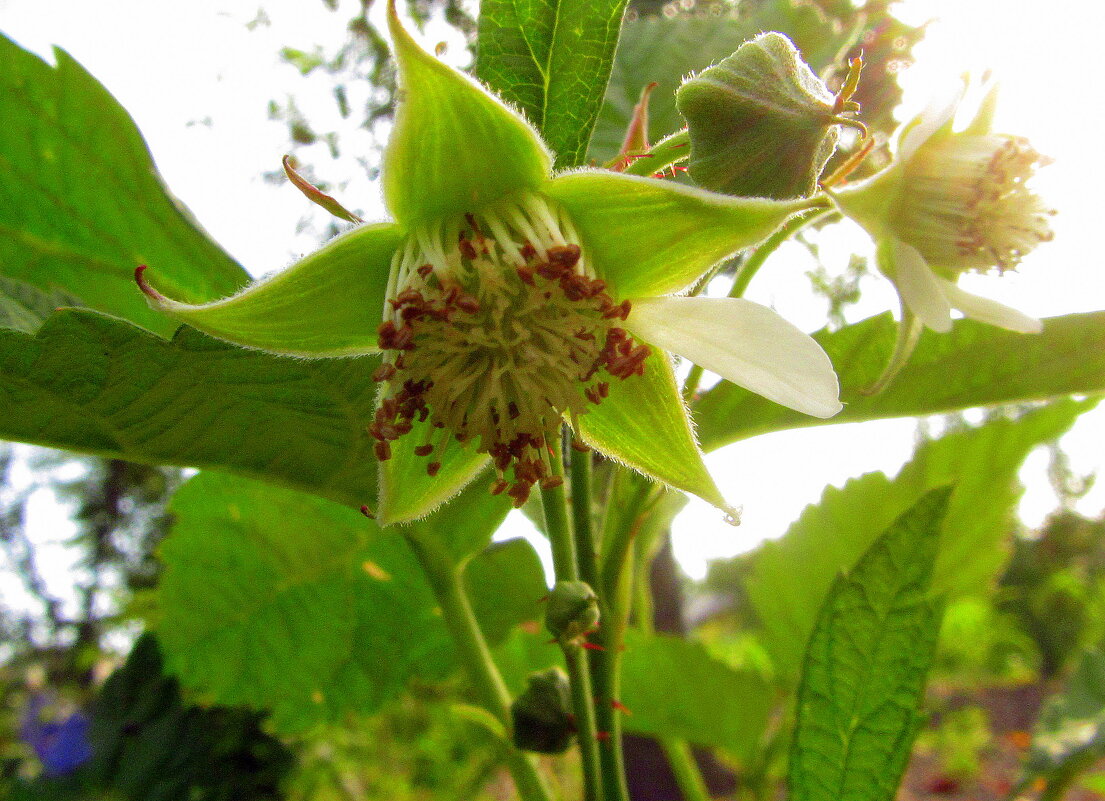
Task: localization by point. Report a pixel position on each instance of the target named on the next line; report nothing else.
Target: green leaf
(791, 576)
(277, 600)
(96, 384)
(672, 687)
(866, 664)
(24, 307)
(329, 304)
(974, 365)
(507, 584)
(454, 147)
(82, 204)
(551, 59)
(666, 50)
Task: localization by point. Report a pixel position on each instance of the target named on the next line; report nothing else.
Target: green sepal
(643, 424)
(455, 146)
(652, 237)
(871, 202)
(329, 304)
(761, 123)
(407, 491)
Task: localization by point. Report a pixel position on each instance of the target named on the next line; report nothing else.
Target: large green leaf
(974, 365)
(672, 688)
(665, 50)
(551, 59)
(95, 384)
(866, 665)
(278, 600)
(791, 576)
(81, 203)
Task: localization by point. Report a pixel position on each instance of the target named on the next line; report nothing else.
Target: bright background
(197, 77)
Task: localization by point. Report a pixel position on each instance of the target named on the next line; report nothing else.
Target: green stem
(582, 517)
(751, 266)
(661, 155)
(444, 576)
(604, 663)
(558, 529)
(687, 775)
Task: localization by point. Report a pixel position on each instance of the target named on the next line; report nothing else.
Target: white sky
(198, 83)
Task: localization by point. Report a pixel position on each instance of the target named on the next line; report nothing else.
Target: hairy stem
(444, 576)
(558, 528)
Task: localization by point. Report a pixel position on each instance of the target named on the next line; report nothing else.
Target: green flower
(951, 202)
(505, 300)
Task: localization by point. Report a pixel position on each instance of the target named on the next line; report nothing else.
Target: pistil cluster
(966, 203)
(495, 329)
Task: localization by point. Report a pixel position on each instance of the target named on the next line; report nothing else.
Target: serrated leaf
(974, 365)
(277, 600)
(665, 50)
(866, 664)
(791, 576)
(551, 59)
(81, 203)
(672, 687)
(92, 383)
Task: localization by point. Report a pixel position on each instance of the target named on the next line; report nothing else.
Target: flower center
(494, 329)
(966, 204)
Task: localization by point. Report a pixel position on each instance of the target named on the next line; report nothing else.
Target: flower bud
(761, 124)
(541, 714)
(572, 612)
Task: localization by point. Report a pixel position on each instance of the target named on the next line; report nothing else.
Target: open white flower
(513, 299)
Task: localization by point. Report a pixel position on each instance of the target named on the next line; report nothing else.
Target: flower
(505, 300)
(61, 744)
(951, 202)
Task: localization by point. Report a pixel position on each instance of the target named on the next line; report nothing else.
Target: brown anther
(593, 395)
(581, 447)
(408, 296)
(563, 256)
(620, 311)
(432, 468)
(585, 335)
(425, 270)
(498, 487)
(603, 388)
(382, 451)
(424, 450)
(528, 251)
(520, 493)
(467, 303)
(383, 372)
(467, 249)
(551, 482)
(474, 226)
(512, 410)
(367, 512)
(526, 275)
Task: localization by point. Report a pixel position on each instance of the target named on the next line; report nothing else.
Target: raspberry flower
(949, 203)
(505, 301)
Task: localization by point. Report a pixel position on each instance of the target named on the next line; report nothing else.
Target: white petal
(745, 343)
(921, 291)
(990, 311)
(938, 113)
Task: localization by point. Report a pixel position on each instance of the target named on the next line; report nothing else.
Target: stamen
(496, 339)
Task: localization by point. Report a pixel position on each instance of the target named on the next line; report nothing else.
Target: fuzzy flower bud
(573, 611)
(541, 715)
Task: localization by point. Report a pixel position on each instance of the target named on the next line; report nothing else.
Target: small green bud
(572, 612)
(541, 714)
(761, 124)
